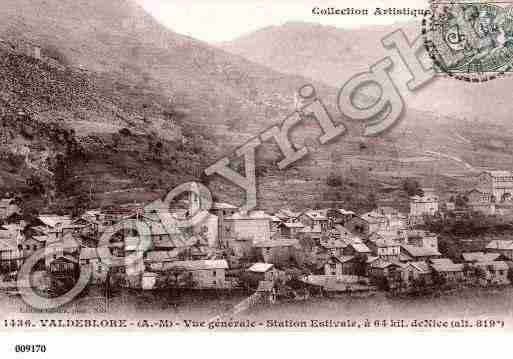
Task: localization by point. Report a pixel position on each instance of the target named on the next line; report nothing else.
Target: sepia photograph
(222, 166)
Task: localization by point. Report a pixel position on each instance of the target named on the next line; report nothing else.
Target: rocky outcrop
(65, 133)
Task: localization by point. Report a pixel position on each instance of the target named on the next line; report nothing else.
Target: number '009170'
(29, 348)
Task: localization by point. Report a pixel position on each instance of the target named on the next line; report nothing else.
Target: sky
(224, 20)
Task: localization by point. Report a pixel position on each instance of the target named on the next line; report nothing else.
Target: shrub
(412, 187)
(53, 52)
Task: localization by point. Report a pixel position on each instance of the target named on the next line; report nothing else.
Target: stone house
(255, 225)
(277, 251)
(417, 254)
(30, 246)
(222, 210)
(66, 246)
(204, 274)
(503, 247)
(315, 232)
(380, 271)
(275, 225)
(11, 251)
(341, 265)
(64, 265)
(356, 248)
(97, 260)
(286, 215)
(366, 224)
(340, 216)
(420, 206)
(477, 196)
(492, 273)
(311, 218)
(335, 246)
(384, 248)
(499, 184)
(8, 207)
(473, 257)
(291, 229)
(419, 272)
(421, 238)
(447, 271)
(263, 271)
(159, 261)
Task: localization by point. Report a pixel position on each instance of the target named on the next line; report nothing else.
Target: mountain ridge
(333, 55)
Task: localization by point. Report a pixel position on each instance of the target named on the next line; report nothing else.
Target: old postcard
(235, 166)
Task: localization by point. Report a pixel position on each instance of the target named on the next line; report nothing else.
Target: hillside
(70, 137)
(120, 109)
(450, 130)
(444, 139)
(333, 55)
(106, 66)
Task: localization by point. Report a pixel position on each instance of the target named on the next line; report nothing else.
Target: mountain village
(287, 254)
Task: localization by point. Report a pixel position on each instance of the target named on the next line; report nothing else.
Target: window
(35, 247)
(214, 273)
(20, 247)
(27, 247)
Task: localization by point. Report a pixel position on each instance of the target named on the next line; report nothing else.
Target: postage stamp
(470, 41)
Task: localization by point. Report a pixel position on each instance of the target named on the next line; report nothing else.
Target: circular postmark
(470, 41)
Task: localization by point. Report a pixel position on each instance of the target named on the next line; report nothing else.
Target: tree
(178, 277)
(36, 186)
(372, 201)
(334, 180)
(360, 264)
(248, 281)
(438, 279)
(510, 274)
(418, 284)
(461, 201)
(412, 187)
(382, 283)
(79, 205)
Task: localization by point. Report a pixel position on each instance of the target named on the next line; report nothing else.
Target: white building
(254, 225)
(420, 206)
